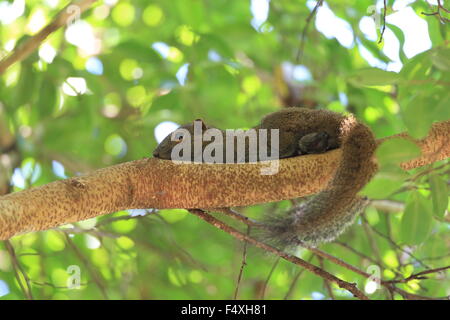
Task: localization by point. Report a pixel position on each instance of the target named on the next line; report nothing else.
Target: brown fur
(326, 215)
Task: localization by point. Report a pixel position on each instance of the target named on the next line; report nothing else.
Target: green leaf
(417, 116)
(26, 85)
(442, 110)
(191, 12)
(135, 50)
(435, 31)
(373, 77)
(170, 101)
(379, 188)
(416, 220)
(47, 98)
(439, 195)
(385, 182)
(417, 68)
(173, 215)
(397, 150)
(374, 49)
(441, 59)
(401, 38)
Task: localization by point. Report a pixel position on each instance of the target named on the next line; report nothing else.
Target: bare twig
(243, 264)
(350, 248)
(393, 243)
(419, 275)
(301, 48)
(384, 21)
(294, 281)
(339, 262)
(263, 291)
(238, 216)
(18, 270)
(95, 276)
(438, 12)
(300, 262)
(388, 205)
(326, 283)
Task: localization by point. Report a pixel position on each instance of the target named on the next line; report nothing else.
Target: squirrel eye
(179, 139)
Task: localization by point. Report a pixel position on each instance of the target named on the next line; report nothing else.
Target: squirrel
(323, 216)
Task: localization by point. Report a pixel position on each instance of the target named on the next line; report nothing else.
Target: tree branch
(155, 183)
(31, 44)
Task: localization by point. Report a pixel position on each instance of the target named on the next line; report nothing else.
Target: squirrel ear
(203, 124)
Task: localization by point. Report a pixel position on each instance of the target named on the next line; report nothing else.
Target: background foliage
(94, 93)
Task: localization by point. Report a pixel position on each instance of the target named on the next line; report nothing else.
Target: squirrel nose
(156, 153)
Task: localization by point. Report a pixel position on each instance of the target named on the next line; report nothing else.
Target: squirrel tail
(324, 216)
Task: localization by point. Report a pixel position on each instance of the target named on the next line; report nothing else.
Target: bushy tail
(326, 215)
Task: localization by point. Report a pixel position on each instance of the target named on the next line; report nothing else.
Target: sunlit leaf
(439, 195)
(373, 77)
(416, 220)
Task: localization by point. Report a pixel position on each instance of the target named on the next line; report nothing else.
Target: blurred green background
(110, 85)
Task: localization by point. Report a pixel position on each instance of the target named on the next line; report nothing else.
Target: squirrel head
(164, 149)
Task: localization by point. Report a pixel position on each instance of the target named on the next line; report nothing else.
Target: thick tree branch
(154, 183)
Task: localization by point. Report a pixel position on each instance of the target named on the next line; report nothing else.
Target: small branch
(18, 270)
(263, 291)
(360, 254)
(393, 243)
(301, 48)
(312, 268)
(48, 284)
(419, 275)
(238, 216)
(438, 12)
(339, 262)
(326, 283)
(388, 205)
(384, 21)
(294, 281)
(31, 44)
(243, 264)
(95, 276)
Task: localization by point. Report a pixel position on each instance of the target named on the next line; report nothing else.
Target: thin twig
(326, 283)
(394, 244)
(358, 253)
(263, 291)
(238, 216)
(384, 21)
(48, 284)
(339, 262)
(351, 287)
(243, 264)
(19, 270)
(95, 276)
(294, 281)
(438, 12)
(301, 48)
(419, 275)
(314, 250)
